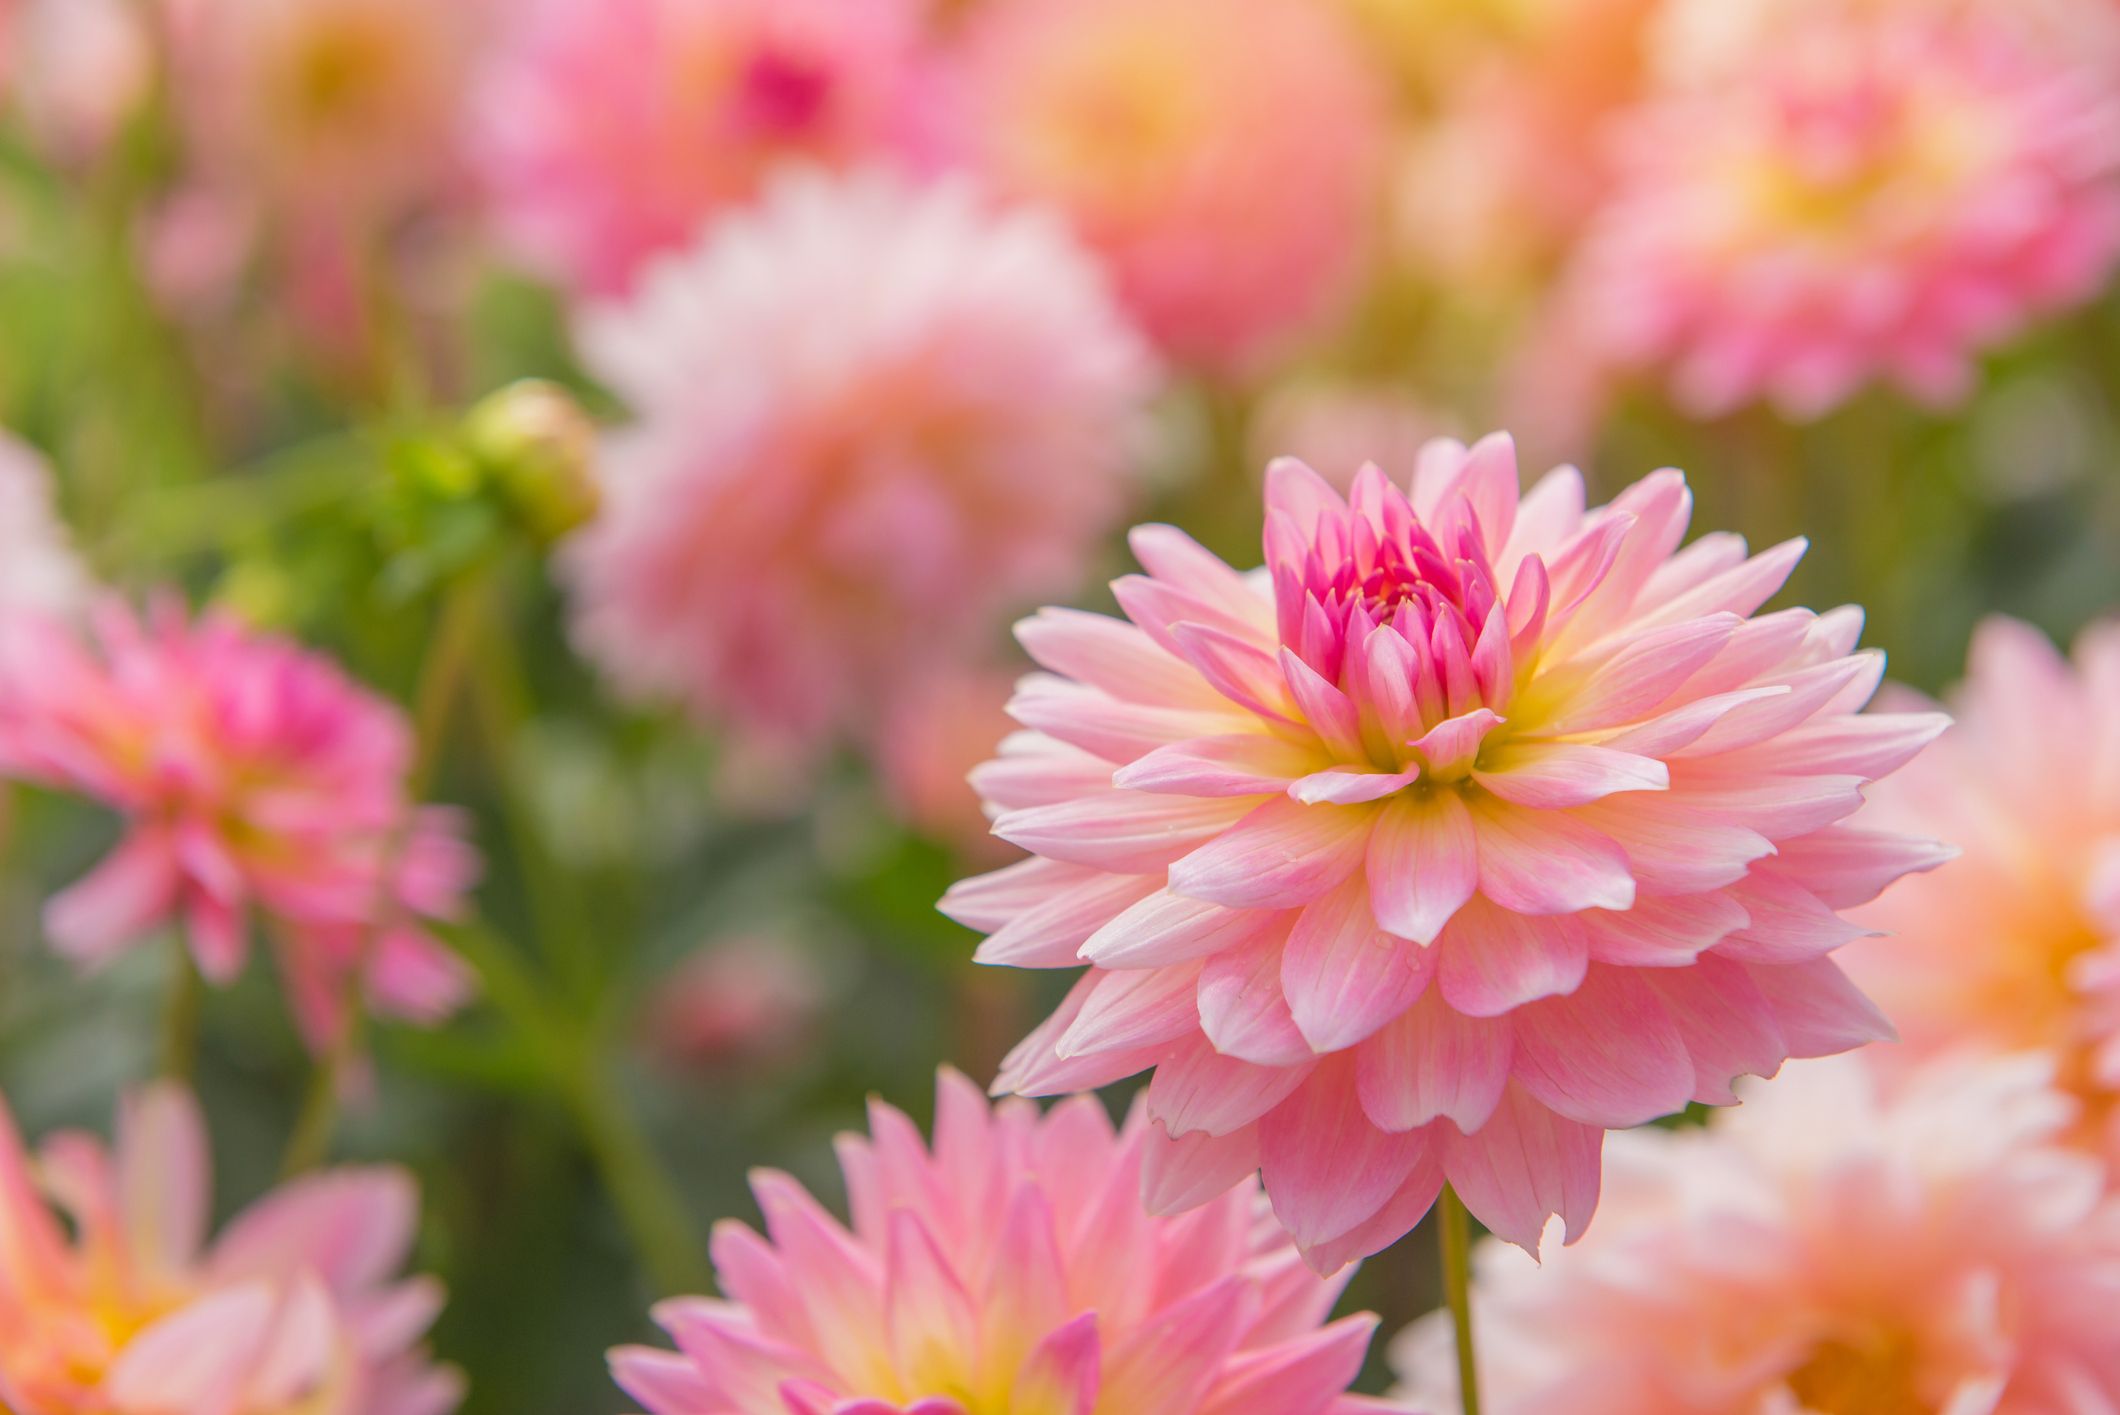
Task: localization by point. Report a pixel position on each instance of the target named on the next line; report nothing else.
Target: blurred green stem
(318, 1119)
(1457, 1289)
(180, 1017)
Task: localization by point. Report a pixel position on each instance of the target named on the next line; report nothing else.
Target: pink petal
(1350, 786)
(1300, 1377)
(1051, 933)
(930, 1322)
(1727, 1024)
(664, 1382)
(1495, 961)
(1111, 655)
(1326, 1167)
(1819, 1011)
(165, 1178)
(1422, 864)
(198, 1359)
(1166, 928)
(1130, 832)
(1662, 931)
(1201, 1090)
(1434, 1063)
(1607, 1054)
(1242, 764)
(1182, 1174)
(1280, 856)
(1524, 1164)
(1550, 775)
(1139, 1008)
(1168, 1361)
(351, 1227)
(1847, 865)
(1451, 745)
(1343, 976)
(133, 889)
(1242, 1009)
(1062, 1374)
(1548, 862)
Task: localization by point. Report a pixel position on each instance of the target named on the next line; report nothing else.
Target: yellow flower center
(1871, 1374)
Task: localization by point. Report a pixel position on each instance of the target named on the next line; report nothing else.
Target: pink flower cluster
(1010, 1267)
(256, 783)
(112, 1302)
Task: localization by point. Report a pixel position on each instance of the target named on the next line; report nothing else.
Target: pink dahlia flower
(1467, 829)
(608, 131)
(255, 780)
(2016, 946)
(1883, 193)
(121, 1306)
(1011, 1268)
(871, 418)
(1822, 1249)
(1225, 171)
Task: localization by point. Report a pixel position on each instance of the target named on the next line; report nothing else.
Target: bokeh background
(271, 272)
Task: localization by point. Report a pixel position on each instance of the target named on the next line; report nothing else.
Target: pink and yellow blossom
(1226, 172)
(609, 131)
(1010, 1268)
(871, 418)
(1470, 827)
(2016, 946)
(1830, 1247)
(1876, 193)
(114, 1302)
(256, 783)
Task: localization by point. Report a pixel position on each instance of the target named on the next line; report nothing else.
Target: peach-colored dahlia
(1823, 1249)
(1225, 171)
(1882, 193)
(608, 131)
(871, 417)
(256, 781)
(122, 1307)
(1010, 1269)
(2016, 946)
(1470, 827)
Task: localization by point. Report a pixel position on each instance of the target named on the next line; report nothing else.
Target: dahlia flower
(332, 109)
(1881, 193)
(1826, 1248)
(1224, 171)
(1469, 828)
(1010, 1269)
(254, 779)
(2016, 946)
(608, 131)
(871, 418)
(121, 1307)
(39, 569)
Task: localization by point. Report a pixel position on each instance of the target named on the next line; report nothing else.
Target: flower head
(1883, 193)
(1468, 828)
(1010, 1269)
(1225, 171)
(124, 1308)
(610, 130)
(871, 418)
(2016, 946)
(255, 781)
(1824, 1248)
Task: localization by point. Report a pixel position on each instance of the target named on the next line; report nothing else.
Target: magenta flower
(256, 782)
(1010, 1269)
(123, 1308)
(872, 418)
(1878, 193)
(1227, 173)
(1827, 1248)
(1467, 829)
(609, 131)
(2015, 947)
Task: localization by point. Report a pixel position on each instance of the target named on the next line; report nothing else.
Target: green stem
(648, 1204)
(180, 1019)
(1457, 1288)
(318, 1119)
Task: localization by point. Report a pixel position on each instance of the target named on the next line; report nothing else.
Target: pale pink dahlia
(1010, 1271)
(608, 131)
(1225, 171)
(256, 781)
(121, 1306)
(1468, 828)
(1823, 1249)
(871, 418)
(1883, 193)
(2016, 946)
